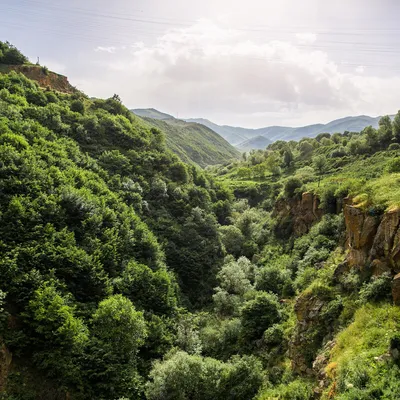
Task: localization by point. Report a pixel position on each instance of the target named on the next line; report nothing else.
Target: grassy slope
(195, 143)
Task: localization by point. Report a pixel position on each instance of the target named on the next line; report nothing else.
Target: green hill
(192, 142)
(129, 274)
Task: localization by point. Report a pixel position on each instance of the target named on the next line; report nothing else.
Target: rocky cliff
(44, 77)
(299, 214)
(373, 243)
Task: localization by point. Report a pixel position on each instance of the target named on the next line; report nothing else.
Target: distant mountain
(258, 142)
(192, 142)
(151, 113)
(234, 135)
(240, 137)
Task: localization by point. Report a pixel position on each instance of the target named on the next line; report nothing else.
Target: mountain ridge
(190, 141)
(274, 133)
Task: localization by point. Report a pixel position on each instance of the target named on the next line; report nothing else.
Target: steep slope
(151, 113)
(99, 224)
(42, 76)
(231, 134)
(193, 143)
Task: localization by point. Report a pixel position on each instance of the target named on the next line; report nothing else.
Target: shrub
(182, 376)
(378, 288)
(274, 335)
(394, 165)
(259, 314)
(295, 390)
(394, 146)
(273, 278)
(292, 187)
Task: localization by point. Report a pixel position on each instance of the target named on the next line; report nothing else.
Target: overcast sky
(248, 63)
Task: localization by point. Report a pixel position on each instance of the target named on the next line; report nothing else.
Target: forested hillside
(191, 142)
(128, 274)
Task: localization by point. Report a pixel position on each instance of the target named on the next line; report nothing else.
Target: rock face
(303, 213)
(44, 78)
(373, 241)
(307, 337)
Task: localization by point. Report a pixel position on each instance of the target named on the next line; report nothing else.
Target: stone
(361, 229)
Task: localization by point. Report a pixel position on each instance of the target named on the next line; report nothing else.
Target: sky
(251, 63)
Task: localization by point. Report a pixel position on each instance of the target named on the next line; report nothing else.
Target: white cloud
(306, 37)
(225, 75)
(110, 49)
(360, 69)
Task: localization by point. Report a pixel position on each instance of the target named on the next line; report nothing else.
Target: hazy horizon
(250, 64)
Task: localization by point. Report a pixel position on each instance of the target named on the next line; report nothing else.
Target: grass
(368, 335)
(358, 367)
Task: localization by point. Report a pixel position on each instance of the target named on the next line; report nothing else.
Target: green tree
(396, 127)
(258, 315)
(385, 131)
(233, 239)
(110, 367)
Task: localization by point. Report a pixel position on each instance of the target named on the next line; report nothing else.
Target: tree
(305, 149)
(396, 127)
(273, 278)
(287, 158)
(150, 290)
(116, 323)
(320, 165)
(385, 131)
(258, 315)
(371, 138)
(292, 186)
(185, 377)
(233, 239)
(235, 280)
(181, 376)
(9, 54)
(58, 337)
(110, 367)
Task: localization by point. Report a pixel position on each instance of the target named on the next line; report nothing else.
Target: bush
(274, 335)
(292, 187)
(295, 390)
(394, 146)
(393, 165)
(259, 314)
(378, 288)
(9, 54)
(273, 278)
(182, 377)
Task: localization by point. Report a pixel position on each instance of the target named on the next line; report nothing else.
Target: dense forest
(129, 274)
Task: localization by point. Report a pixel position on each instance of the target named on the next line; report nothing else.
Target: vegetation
(9, 54)
(194, 143)
(128, 274)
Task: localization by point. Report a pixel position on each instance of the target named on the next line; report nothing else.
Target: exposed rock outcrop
(308, 335)
(373, 241)
(302, 213)
(44, 77)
